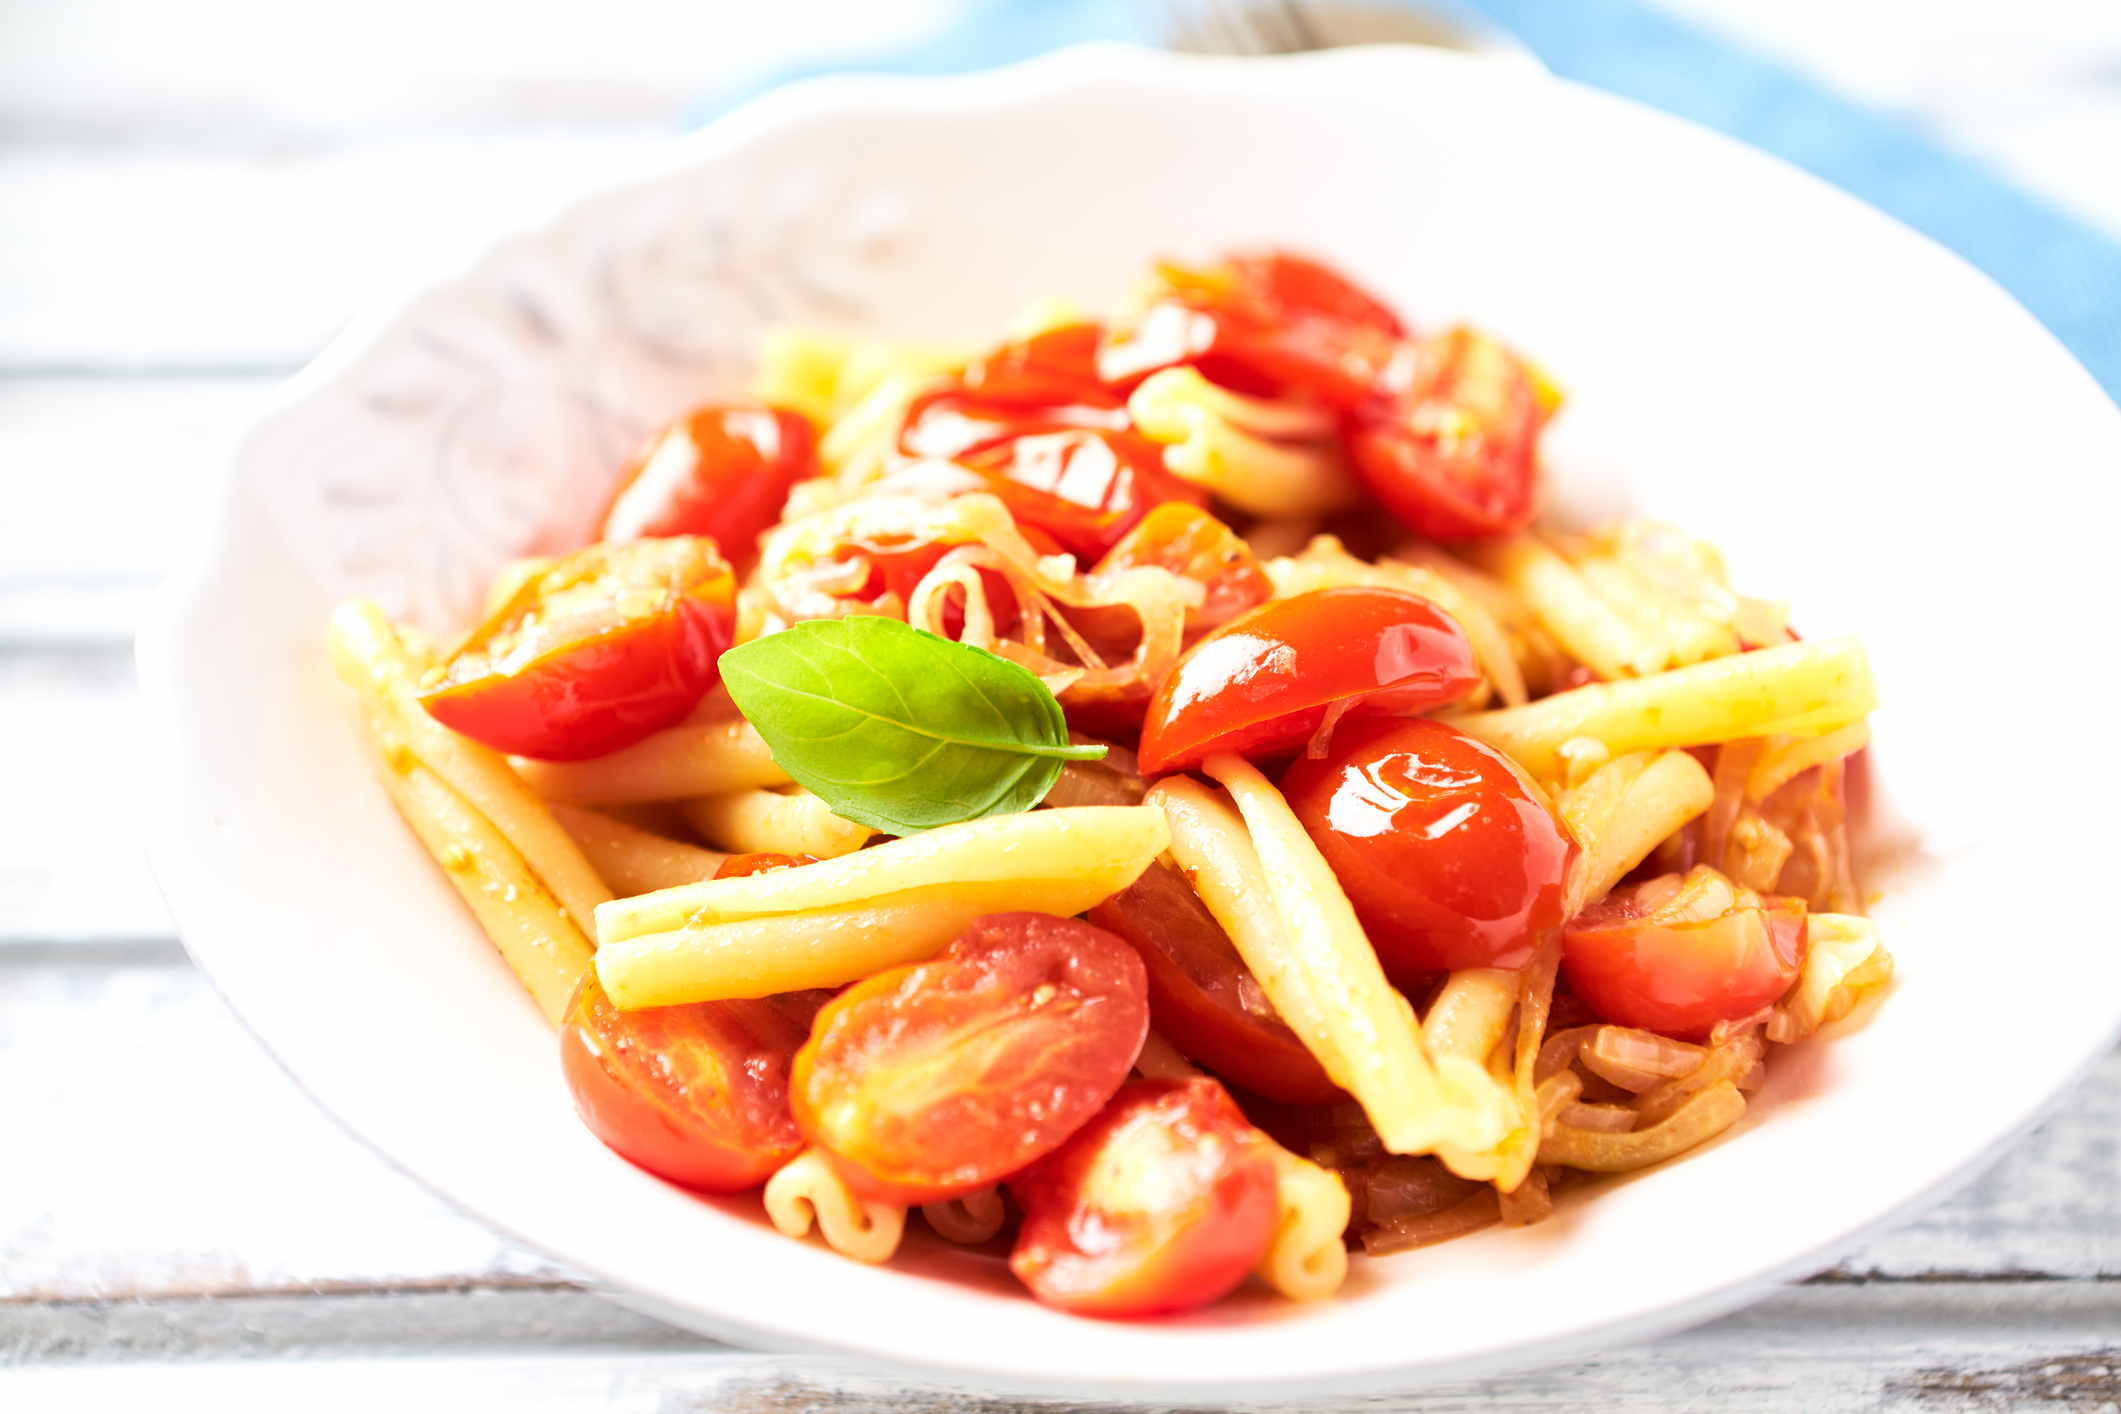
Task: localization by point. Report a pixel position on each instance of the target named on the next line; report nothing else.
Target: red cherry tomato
(1047, 436)
(1187, 541)
(737, 866)
(1162, 1203)
(1261, 322)
(1086, 489)
(1453, 453)
(1449, 859)
(927, 1082)
(1202, 997)
(696, 1094)
(1263, 682)
(722, 471)
(1680, 953)
(1054, 367)
(1075, 472)
(610, 644)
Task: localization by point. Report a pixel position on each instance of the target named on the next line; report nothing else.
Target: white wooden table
(193, 197)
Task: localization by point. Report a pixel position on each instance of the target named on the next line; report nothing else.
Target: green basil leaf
(898, 729)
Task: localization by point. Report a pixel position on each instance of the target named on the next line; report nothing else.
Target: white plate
(1867, 425)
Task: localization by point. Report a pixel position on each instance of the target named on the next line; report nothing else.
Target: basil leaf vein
(898, 729)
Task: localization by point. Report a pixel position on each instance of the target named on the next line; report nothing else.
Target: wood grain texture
(105, 481)
(1813, 1350)
(174, 1158)
(259, 258)
(71, 869)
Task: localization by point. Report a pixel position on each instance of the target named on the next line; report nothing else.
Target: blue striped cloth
(2067, 273)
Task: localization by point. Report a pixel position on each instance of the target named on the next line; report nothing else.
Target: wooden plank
(2051, 1206)
(250, 73)
(71, 870)
(256, 259)
(334, 1325)
(171, 1156)
(169, 1072)
(106, 481)
(1812, 1350)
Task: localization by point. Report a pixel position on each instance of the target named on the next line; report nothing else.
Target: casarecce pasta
(1152, 776)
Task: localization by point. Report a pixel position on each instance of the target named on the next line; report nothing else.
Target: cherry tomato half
(722, 471)
(696, 1094)
(1054, 367)
(1086, 489)
(927, 1082)
(1074, 471)
(1263, 682)
(1453, 452)
(1261, 322)
(1449, 860)
(1202, 997)
(610, 644)
(1162, 1203)
(1187, 541)
(1680, 953)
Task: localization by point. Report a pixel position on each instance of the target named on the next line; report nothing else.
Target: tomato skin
(1197, 990)
(1187, 541)
(927, 1082)
(1086, 489)
(1453, 452)
(738, 866)
(1053, 367)
(1295, 285)
(695, 1094)
(1075, 471)
(1663, 970)
(610, 644)
(722, 470)
(1449, 860)
(1162, 1203)
(1262, 322)
(1036, 422)
(1262, 683)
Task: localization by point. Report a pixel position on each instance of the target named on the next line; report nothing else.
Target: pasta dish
(1149, 794)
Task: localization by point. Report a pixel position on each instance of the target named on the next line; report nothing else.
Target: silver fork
(1292, 26)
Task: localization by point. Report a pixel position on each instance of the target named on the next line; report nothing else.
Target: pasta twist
(806, 1192)
(1307, 1261)
(968, 1220)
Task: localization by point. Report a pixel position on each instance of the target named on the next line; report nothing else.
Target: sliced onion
(1400, 1189)
(1530, 1202)
(1559, 1052)
(1730, 1061)
(1637, 1060)
(1555, 1094)
(1600, 1119)
(1810, 811)
(1724, 1031)
(1112, 781)
(1702, 1118)
(803, 571)
(1787, 757)
(1844, 962)
(1734, 763)
(1481, 1210)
